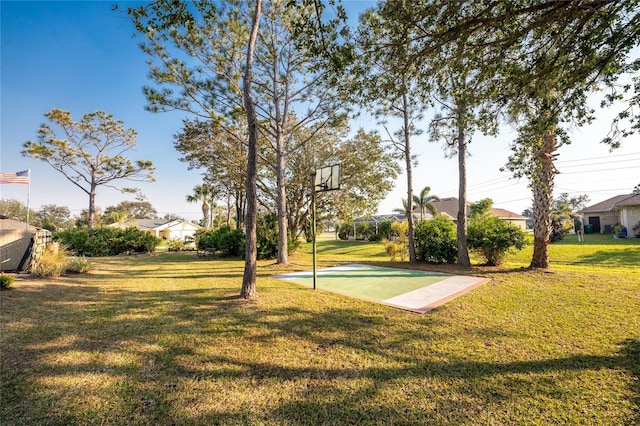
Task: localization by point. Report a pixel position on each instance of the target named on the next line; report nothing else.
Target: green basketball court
(418, 291)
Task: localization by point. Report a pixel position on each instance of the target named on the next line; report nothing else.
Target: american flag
(16, 177)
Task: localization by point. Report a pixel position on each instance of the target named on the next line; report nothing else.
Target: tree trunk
(463, 250)
(92, 207)
(249, 290)
(543, 199)
(205, 214)
(407, 157)
(283, 249)
(229, 210)
(239, 209)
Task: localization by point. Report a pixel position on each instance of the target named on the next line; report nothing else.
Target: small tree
(93, 153)
(481, 208)
(53, 217)
(561, 221)
(345, 230)
(399, 245)
(493, 237)
(14, 209)
(436, 240)
(138, 209)
(363, 230)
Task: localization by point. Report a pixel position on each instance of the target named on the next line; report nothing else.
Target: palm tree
(424, 202)
(118, 217)
(205, 194)
(404, 209)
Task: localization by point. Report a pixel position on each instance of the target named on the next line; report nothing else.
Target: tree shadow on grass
(628, 257)
(164, 334)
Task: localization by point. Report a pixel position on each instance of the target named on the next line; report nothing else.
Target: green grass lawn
(164, 339)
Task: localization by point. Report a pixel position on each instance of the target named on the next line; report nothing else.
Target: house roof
(613, 203)
(157, 224)
(633, 200)
(151, 223)
(449, 206)
(506, 214)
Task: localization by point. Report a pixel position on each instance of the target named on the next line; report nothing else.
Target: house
(447, 207)
(621, 209)
(450, 206)
(166, 229)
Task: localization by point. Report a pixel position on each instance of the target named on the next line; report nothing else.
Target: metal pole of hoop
(324, 179)
(312, 173)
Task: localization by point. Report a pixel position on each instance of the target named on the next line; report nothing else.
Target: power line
(597, 158)
(599, 170)
(602, 162)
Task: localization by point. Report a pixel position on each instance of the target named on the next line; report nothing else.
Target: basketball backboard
(327, 178)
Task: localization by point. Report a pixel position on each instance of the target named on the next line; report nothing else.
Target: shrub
(375, 237)
(363, 230)
(396, 248)
(436, 240)
(105, 241)
(232, 241)
(78, 265)
(136, 241)
(561, 223)
(267, 237)
(226, 241)
(493, 237)
(175, 244)
(345, 231)
(384, 229)
(399, 245)
(52, 262)
(6, 280)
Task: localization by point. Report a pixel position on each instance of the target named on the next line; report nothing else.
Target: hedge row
(105, 241)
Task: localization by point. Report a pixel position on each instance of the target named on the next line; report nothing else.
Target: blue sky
(80, 56)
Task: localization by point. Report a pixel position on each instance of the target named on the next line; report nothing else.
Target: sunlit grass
(164, 339)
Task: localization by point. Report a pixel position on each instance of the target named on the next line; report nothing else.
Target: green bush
(436, 240)
(6, 280)
(105, 241)
(225, 241)
(175, 244)
(363, 231)
(78, 265)
(398, 244)
(267, 237)
(345, 231)
(396, 248)
(493, 237)
(384, 229)
(231, 242)
(52, 262)
(375, 237)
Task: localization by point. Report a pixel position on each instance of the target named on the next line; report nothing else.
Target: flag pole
(28, 194)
